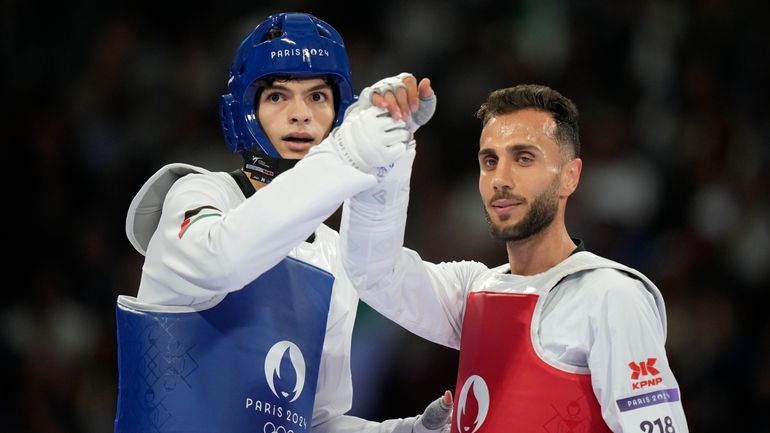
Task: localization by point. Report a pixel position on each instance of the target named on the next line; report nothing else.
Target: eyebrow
(321, 86)
(487, 152)
(511, 149)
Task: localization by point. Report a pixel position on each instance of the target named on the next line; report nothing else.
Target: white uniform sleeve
(239, 241)
(631, 376)
(377, 217)
(427, 299)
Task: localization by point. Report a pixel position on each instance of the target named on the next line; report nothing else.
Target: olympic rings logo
(271, 428)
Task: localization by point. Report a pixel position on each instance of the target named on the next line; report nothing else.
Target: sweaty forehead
(530, 125)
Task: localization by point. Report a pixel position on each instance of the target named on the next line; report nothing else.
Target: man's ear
(570, 176)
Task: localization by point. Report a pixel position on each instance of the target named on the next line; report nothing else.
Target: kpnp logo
(473, 400)
(275, 358)
(644, 368)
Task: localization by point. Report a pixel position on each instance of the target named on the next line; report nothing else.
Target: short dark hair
(538, 97)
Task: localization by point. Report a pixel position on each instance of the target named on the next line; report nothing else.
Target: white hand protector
(369, 139)
(436, 418)
(392, 84)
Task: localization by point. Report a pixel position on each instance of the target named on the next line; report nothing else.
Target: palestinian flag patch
(191, 216)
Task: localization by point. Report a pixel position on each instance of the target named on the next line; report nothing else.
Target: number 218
(667, 426)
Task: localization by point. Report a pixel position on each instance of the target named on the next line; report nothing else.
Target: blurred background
(676, 135)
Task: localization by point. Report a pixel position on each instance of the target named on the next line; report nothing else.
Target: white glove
(392, 84)
(436, 417)
(370, 140)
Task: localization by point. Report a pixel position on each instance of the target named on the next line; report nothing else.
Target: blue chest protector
(248, 364)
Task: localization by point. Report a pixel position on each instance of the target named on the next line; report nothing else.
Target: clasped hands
(378, 128)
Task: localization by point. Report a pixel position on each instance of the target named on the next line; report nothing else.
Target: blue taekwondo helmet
(295, 45)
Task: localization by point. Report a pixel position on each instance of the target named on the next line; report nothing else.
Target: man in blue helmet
(243, 319)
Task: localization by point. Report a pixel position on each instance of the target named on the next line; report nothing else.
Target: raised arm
(210, 241)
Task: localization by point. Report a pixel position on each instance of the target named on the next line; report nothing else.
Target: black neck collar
(263, 167)
(579, 246)
(243, 183)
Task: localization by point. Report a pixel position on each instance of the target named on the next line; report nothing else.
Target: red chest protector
(504, 386)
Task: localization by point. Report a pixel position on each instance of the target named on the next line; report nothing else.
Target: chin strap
(263, 167)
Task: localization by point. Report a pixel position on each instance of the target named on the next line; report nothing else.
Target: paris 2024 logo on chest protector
(285, 371)
(281, 361)
(472, 405)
